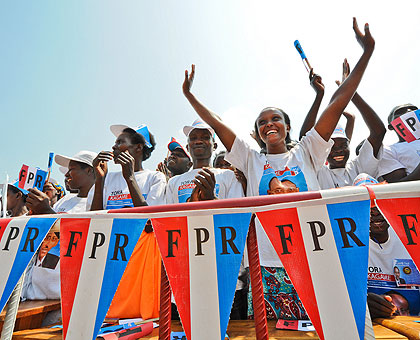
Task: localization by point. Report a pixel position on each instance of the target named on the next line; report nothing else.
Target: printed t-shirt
(400, 156)
(365, 162)
(44, 281)
(180, 187)
(116, 194)
(381, 277)
(70, 203)
(299, 166)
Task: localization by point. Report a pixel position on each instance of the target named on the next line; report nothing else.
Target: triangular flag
(323, 246)
(20, 238)
(202, 255)
(94, 254)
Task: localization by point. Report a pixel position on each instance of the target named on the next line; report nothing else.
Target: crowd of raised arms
(318, 160)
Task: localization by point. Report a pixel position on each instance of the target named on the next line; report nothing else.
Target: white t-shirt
(179, 188)
(365, 162)
(400, 156)
(71, 203)
(116, 194)
(299, 165)
(42, 282)
(381, 269)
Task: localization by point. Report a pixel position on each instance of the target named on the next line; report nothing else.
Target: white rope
(12, 309)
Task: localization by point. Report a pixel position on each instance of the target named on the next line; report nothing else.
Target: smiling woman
(297, 168)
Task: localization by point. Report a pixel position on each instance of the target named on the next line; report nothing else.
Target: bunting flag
(94, 253)
(400, 205)
(321, 238)
(202, 255)
(324, 247)
(20, 238)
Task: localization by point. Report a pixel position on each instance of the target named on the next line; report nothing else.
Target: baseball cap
(63, 169)
(16, 185)
(339, 133)
(173, 144)
(83, 156)
(406, 107)
(197, 124)
(141, 129)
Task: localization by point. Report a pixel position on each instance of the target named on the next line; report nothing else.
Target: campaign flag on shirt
(408, 125)
(324, 247)
(30, 177)
(401, 208)
(20, 238)
(94, 254)
(202, 254)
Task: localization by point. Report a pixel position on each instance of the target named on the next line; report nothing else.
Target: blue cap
(16, 185)
(141, 129)
(173, 144)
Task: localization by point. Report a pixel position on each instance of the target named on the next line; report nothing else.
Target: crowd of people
(318, 160)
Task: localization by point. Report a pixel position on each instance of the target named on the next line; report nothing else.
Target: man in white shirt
(206, 183)
(401, 160)
(340, 171)
(79, 176)
(202, 182)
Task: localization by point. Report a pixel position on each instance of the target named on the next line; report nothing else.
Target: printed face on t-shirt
(50, 241)
(282, 181)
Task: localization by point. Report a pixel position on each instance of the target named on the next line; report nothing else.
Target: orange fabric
(139, 290)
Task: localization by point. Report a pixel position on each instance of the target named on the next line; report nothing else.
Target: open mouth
(338, 158)
(379, 226)
(270, 132)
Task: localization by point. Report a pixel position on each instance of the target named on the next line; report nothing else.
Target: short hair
(137, 138)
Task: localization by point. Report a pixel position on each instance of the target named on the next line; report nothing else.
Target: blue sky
(70, 69)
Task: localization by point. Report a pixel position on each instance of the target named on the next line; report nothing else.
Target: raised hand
(100, 165)
(365, 40)
(316, 82)
(241, 179)
(127, 164)
(346, 72)
(189, 79)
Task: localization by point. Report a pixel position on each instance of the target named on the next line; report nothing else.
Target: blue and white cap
(197, 124)
(141, 129)
(339, 133)
(173, 144)
(16, 185)
(364, 179)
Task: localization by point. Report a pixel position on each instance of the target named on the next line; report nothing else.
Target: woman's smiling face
(272, 128)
